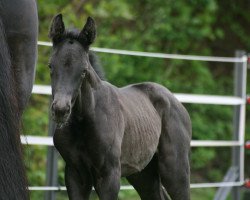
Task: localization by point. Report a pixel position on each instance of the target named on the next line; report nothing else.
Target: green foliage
(180, 27)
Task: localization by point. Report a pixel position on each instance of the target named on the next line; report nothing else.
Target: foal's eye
(49, 65)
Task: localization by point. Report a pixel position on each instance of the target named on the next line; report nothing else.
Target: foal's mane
(95, 63)
(73, 34)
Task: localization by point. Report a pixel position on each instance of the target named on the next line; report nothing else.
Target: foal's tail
(13, 184)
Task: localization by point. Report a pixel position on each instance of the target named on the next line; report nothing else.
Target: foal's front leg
(79, 184)
(107, 185)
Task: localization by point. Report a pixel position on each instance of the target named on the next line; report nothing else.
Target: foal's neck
(85, 103)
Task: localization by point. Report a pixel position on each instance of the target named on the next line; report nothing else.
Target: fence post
(239, 121)
(52, 164)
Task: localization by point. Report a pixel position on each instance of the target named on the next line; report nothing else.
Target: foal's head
(68, 64)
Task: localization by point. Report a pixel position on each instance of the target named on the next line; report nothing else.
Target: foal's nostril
(67, 109)
(53, 106)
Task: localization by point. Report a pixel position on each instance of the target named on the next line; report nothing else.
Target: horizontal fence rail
(48, 141)
(162, 55)
(130, 187)
(184, 98)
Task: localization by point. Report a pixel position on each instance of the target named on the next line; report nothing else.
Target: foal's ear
(88, 33)
(57, 28)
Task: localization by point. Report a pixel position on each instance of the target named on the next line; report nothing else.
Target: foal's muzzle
(60, 111)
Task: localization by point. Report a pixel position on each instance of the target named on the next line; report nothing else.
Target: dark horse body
(140, 132)
(18, 46)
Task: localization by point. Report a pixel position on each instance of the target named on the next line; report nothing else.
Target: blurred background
(192, 27)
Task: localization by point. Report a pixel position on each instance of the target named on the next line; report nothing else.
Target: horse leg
(22, 39)
(79, 184)
(147, 182)
(107, 185)
(23, 59)
(78, 178)
(173, 154)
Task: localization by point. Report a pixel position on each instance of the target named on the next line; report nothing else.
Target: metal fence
(234, 178)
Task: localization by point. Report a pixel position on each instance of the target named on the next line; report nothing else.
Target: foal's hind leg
(173, 154)
(147, 182)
